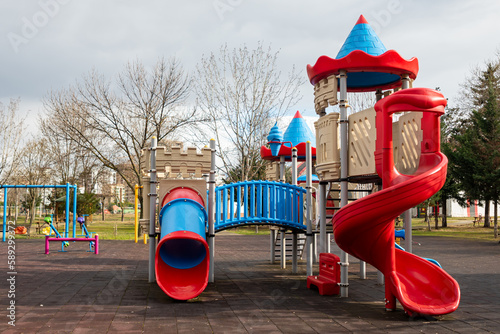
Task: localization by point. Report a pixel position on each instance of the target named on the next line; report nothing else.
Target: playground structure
(182, 260)
(180, 263)
(402, 157)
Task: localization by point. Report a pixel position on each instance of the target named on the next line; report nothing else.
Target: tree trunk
(444, 215)
(102, 208)
(487, 213)
(121, 206)
(56, 213)
(427, 220)
(32, 215)
(495, 218)
(16, 212)
(436, 216)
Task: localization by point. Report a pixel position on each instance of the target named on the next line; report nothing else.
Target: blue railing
(259, 203)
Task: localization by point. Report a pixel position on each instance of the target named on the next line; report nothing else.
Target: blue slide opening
(179, 217)
(182, 253)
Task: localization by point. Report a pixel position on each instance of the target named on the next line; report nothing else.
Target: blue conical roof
(274, 139)
(275, 134)
(299, 132)
(364, 38)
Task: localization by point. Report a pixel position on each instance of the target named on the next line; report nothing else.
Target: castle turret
(274, 139)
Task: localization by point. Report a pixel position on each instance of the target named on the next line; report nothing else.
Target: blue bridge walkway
(259, 203)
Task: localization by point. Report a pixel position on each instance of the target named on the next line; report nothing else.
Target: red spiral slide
(365, 228)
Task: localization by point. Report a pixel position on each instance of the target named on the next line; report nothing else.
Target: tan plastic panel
(272, 171)
(145, 198)
(407, 138)
(178, 163)
(325, 94)
(407, 141)
(362, 135)
(175, 163)
(327, 147)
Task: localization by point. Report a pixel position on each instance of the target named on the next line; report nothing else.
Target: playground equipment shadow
(79, 292)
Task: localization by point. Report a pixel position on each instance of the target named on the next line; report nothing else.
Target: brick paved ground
(79, 292)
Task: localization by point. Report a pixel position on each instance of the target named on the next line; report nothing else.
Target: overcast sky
(48, 44)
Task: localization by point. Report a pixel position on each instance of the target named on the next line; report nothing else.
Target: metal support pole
(295, 250)
(362, 269)
(152, 212)
(380, 276)
(328, 243)
(294, 166)
(315, 248)
(282, 169)
(282, 232)
(309, 209)
(75, 194)
(211, 212)
(272, 236)
(283, 248)
(136, 212)
(4, 228)
(344, 257)
(407, 224)
(408, 232)
(294, 235)
(322, 216)
(66, 227)
(405, 81)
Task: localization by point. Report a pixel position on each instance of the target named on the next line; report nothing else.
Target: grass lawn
(464, 232)
(112, 228)
(458, 227)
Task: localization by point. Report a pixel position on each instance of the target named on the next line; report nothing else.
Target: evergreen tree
(450, 189)
(474, 141)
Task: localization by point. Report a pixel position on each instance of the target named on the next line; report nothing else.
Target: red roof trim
(359, 61)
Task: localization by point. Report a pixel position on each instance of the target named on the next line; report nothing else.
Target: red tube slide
(365, 228)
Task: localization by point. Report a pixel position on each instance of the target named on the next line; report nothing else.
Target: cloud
(447, 39)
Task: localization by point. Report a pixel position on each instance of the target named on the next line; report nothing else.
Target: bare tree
(71, 163)
(243, 93)
(361, 101)
(114, 122)
(358, 101)
(34, 169)
(11, 129)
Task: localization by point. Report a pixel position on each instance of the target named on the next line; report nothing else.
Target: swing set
(68, 187)
(93, 241)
